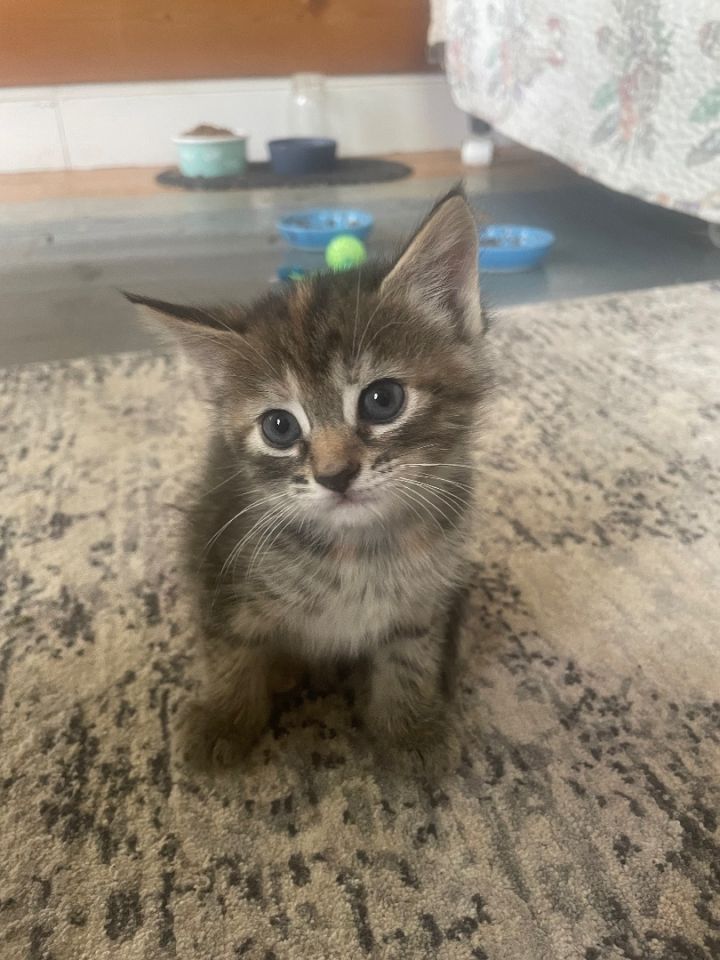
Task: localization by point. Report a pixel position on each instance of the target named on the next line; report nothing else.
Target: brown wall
(76, 41)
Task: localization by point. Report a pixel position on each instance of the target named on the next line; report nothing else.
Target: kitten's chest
(351, 603)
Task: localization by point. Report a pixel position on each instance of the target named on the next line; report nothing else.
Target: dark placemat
(347, 170)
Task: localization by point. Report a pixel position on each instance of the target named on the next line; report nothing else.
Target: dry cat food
(207, 130)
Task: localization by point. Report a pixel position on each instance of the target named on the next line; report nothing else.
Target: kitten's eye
(280, 428)
(382, 401)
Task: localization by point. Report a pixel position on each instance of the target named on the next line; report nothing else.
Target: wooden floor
(140, 181)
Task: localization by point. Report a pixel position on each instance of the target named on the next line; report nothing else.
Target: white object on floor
(477, 150)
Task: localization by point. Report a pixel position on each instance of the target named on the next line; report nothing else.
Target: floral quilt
(625, 91)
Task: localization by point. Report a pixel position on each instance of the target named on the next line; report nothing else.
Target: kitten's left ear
(439, 268)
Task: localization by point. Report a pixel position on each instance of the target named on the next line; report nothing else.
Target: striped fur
(286, 569)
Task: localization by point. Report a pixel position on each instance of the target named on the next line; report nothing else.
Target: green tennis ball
(344, 252)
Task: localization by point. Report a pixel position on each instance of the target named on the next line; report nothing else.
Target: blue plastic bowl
(314, 229)
(510, 248)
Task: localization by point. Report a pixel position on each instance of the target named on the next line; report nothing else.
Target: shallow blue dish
(314, 229)
(510, 248)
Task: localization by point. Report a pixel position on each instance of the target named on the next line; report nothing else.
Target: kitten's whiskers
(278, 522)
(259, 525)
(429, 506)
(252, 506)
(450, 499)
(454, 483)
(437, 503)
(405, 502)
(460, 466)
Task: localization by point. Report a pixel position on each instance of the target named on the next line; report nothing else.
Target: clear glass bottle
(307, 109)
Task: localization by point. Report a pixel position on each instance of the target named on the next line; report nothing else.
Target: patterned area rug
(579, 819)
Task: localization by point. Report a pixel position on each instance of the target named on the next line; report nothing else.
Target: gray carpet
(579, 819)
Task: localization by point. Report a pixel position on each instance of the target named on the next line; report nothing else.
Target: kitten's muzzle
(340, 481)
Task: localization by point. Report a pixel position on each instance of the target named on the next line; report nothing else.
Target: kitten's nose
(340, 481)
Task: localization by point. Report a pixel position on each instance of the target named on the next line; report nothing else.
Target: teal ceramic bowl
(210, 157)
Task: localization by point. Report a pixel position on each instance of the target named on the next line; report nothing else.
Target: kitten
(338, 488)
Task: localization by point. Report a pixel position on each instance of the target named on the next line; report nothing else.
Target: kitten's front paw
(210, 741)
(421, 731)
(417, 746)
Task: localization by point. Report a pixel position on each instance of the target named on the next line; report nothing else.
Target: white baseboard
(123, 125)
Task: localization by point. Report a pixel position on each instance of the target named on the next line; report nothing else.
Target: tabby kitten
(338, 488)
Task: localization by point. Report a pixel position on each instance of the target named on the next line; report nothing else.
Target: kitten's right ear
(204, 336)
